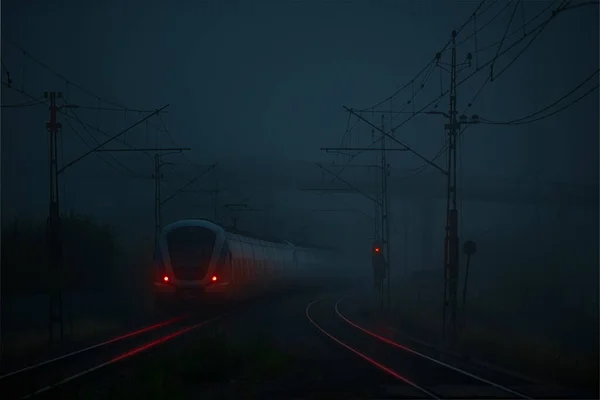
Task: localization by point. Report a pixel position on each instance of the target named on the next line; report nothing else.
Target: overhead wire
(535, 31)
(163, 127)
(409, 83)
(512, 16)
(424, 166)
(33, 98)
(82, 123)
(490, 76)
(432, 61)
(94, 128)
(568, 105)
(29, 103)
(532, 114)
(445, 92)
(410, 102)
(76, 117)
(128, 170)
(522, 51)
(481, 67)
(58, 74)
(485, 25)
(117, 109)
(519, 29)
(581, 4)
(344, 136)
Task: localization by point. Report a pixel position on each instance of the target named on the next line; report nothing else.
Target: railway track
(418, 375)
(48, 377)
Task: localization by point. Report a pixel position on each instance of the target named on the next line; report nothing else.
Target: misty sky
(263, 81)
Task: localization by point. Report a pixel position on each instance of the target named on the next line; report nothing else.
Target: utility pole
(451, 240)
(53, 224)
(385, 226)
(157, 178)
(382, 234)
(53, 228)
(216, 201)
(157, 192)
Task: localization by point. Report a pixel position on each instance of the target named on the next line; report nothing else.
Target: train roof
(266, 238)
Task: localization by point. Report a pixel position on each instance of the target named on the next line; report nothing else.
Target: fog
(258, 90)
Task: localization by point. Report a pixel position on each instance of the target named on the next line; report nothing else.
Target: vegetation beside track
(211, 366)
(105, 289)
(502, 335)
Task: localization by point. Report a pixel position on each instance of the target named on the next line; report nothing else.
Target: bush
(89, 252)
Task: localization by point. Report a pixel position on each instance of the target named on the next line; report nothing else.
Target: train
(197, 259)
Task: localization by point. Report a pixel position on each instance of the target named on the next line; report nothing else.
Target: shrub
(89, 251)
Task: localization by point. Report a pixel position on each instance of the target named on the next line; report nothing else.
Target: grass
(534, 356)
(27, 343)
(212, 365)
(538, 356)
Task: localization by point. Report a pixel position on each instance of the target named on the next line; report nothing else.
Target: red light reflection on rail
(154, 343)
(146, 329)
(365, 357)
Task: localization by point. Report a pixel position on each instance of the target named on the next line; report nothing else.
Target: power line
(483, 121)
(75, 117)
(490, 76)
(513, 45)
(538, 33)
(24, 104)
(128, 170)
(503, 38)
(423, 167)
(57, 74)
(553, 103)
(112, 138)
(359, 118)
(495, 17)
(407, 84)
(523, 27)
(23, 92)
(89, 126)
(584, 3)
(120, 107)
(539, 28)
(96, 108)
(166, 129)
(411, 81)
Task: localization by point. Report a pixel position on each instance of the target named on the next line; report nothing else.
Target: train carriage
(198, 259)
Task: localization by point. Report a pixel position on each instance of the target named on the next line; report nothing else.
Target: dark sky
(265, 81)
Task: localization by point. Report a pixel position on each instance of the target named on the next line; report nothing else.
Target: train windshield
(190, 251)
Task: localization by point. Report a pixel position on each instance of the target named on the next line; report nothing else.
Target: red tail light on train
(214, 278)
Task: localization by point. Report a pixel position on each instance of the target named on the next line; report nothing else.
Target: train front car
(191, 263)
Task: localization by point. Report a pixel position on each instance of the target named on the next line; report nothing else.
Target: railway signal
(379, 270)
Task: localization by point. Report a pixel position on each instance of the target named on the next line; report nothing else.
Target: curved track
(418, 375)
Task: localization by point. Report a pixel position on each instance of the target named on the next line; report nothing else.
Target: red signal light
(166, 278)
(376, 249)
(214, 278)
